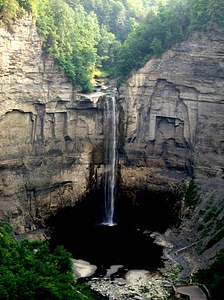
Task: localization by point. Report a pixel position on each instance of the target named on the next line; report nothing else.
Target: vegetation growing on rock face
(191, 195)
(213, 277)
(116, 36)
(29, 270)
(207, 223)
(171, 23)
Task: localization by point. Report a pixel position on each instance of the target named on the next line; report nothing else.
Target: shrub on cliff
(9, 10)
(170, 23)
(213, 277)
(30, 271)
(115, 35)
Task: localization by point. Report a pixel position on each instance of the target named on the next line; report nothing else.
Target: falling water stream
(110, 117)
(108, 238)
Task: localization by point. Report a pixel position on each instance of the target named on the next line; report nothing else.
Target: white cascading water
(110, 129)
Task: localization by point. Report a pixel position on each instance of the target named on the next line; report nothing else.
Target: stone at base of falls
(82, 268)
(113, 269)
(136, 284)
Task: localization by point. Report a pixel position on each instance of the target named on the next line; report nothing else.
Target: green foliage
(106, 49)
(117, 36)
(156, 47)
(159, 31)
(13, 9)
(213, 277)
(70, 36)
(167, 24)
(115, 19)
(191, 196)
(205, 13)
(171, 273)
(219, 234)
(9, 10)
(117, 15)
(26, 4)
(30, 271)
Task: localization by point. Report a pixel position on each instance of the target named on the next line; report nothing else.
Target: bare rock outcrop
(174, 130)
(171, 125)
(173, 121)
(48, 133)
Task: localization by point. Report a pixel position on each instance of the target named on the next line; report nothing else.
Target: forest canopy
(113, 36)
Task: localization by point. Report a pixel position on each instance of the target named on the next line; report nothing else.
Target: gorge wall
(48, 133)
(174, 129)
(173, 120)
(171, 126)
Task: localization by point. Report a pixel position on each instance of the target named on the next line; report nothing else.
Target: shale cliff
(171, 126)
(48, 133)
(173, 120)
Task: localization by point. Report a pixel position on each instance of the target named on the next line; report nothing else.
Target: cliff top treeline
(114, 36)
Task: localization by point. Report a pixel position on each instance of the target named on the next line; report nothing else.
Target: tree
(160, 29)
(106, 49)
(29, 271)
(156, 47)
(213, 277)
(70, 37)
(205, 13)
(114, 35)
(9, 10)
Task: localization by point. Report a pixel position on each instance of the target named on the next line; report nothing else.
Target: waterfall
(110, 129)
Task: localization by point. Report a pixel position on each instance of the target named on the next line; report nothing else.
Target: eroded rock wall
(174, 125)
(51, 142)
(48, 133)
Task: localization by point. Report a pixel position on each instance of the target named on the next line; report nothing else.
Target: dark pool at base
(104, 246)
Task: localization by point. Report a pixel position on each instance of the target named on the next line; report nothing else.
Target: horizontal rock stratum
(49, 134)
(174, 107)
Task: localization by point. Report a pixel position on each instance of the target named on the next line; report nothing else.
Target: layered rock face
(173, 121)
(171, 126)
(173, 130)
(49, 135)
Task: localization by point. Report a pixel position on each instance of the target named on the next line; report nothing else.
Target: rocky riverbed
(123, 284)
(136, 284)
(119, 283)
